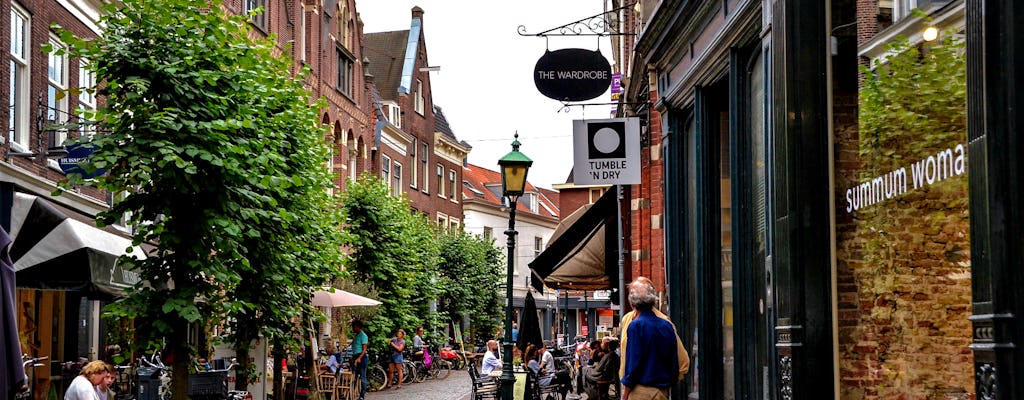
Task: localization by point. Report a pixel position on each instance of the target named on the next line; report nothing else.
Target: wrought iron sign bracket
(603, 24)
(566, 105)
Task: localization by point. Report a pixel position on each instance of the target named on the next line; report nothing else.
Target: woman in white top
(83, 387)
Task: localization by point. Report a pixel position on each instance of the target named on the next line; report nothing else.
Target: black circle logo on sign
(606, 140)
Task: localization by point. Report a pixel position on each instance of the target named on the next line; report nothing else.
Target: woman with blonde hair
(83, 387)
(397, 348)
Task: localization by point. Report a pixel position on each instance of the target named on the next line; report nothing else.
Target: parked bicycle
(29, 364)
(431, 367)
(154, 378)
(376, 372)
(213, 385)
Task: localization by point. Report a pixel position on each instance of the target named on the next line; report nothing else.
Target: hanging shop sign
(572, 74)
(77, 153)
(606, 151)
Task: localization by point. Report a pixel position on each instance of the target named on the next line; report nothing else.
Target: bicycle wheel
(419, 368)
(376, 377)
(408, 372)
(440, 369)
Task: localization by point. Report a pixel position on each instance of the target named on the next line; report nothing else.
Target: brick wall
(647, 203)
(904, 288)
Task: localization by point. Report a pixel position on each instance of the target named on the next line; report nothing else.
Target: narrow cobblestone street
(455, 387)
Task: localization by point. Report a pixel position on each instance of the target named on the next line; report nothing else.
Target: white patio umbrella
(334, 297)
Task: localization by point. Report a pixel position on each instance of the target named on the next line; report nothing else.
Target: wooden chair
(346, 385)
(484, 388)
(327, 386)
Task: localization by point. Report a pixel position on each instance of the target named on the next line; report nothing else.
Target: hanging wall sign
(606, 151)
(572, 74)
(76, 154)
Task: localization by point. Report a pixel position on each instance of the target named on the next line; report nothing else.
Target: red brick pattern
(904, 289)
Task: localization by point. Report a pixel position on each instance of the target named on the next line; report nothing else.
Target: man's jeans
(361, 371)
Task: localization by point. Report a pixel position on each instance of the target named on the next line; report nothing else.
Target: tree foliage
(393, 250)
(912, 103)
(217, 157)
(423, 275)
(472, 271)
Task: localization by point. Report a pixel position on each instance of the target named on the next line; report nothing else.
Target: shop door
(760, 238)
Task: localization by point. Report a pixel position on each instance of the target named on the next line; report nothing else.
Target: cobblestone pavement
(455, 387)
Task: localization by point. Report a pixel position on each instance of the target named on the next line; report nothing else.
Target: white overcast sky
(485, 85)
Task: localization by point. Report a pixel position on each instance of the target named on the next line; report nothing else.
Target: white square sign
(606, 151)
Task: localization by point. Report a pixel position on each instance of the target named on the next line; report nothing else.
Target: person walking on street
(649, 367)
(83, 387)
(397, 347)
(359, 361)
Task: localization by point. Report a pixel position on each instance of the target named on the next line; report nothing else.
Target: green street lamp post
(514, 167)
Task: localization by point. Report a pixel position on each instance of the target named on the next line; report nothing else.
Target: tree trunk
(279, 355)
(178, 350)
(241, 371)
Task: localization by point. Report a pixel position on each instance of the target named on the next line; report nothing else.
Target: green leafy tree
(217, 158)
(472, 272)
(394, 250)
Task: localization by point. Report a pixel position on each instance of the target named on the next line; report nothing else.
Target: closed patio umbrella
(529, 325)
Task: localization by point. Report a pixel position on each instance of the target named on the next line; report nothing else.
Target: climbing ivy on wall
(912, 103)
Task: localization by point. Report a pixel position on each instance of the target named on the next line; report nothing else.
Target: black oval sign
(572, 74)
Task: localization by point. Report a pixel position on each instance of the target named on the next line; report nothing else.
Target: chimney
(417, 12)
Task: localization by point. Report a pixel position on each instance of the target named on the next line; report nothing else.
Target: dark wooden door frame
(800, 200)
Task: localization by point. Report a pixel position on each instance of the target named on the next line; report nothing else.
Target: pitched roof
(484, 185)
(441, 123)
(386, 52)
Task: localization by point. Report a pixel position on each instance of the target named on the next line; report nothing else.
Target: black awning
(576, 257)
(52, 251)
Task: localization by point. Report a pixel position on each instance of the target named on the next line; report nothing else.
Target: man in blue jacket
(651, 364)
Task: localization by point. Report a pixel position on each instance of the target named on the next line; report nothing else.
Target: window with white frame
(86, 98)
(259, 19)
(538, 245)
(18, 120)
(442, 220)
(419, 97)
(488, 233)
(440, 180)
(453, 184)
(302, 32)
(394, 115)
(385, 170)
(57, 83)
(396, 179)
(453, 223)
(414, 173)
(425, 159)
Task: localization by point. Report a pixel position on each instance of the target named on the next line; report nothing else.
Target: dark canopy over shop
(576, 257)
(53, 251)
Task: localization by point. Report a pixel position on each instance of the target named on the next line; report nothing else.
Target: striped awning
(52, 251)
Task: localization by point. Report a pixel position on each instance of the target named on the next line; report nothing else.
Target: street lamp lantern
(514, 167)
